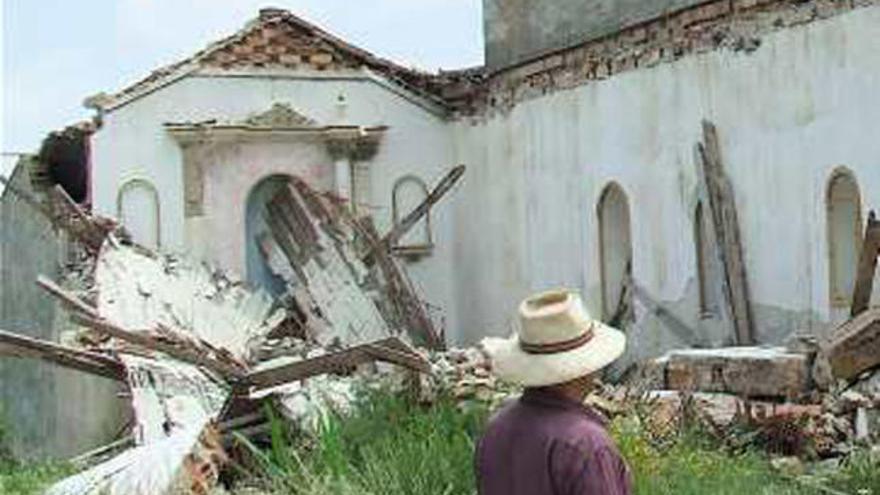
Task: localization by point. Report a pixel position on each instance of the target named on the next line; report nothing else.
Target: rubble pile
(771, 392)
(465, 375)
(199, 351)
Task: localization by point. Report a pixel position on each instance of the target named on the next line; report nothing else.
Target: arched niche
(137, 207)
(407, 193)
(844, 222)
(615, 249)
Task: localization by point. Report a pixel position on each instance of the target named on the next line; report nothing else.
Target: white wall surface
(133, 144)
(787, 115)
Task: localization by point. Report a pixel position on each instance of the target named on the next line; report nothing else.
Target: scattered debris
(200, 351)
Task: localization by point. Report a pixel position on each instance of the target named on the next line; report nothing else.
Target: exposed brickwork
(722, 24)
(279, 39)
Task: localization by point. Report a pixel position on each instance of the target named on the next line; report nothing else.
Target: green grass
(388, 446)
(30, 479)
(25, 479)
(391, 447)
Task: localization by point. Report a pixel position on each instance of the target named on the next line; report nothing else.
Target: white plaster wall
(133, 143)
(236, 169)
(787, 115)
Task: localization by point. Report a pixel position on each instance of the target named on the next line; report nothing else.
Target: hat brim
(511, 364)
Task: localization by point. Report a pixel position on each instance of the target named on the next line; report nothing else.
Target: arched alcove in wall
(844, 221)
(256, 229)
(137, 205)
(409, 192)
(615, 248)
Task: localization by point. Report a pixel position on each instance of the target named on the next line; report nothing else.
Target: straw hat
(555, 341)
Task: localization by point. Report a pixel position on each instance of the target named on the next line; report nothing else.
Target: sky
(55, 53)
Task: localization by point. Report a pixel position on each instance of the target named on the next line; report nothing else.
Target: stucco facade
(788, 114)
(790, 110)
(135, 143)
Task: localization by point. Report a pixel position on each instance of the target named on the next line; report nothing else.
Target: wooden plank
(69, 300)
(17, 345)
(178, 350)
(727, 234)
(185, 351)
(382, 350)
(90, 231)
(399, 357)
(867, 266)
(410, 311)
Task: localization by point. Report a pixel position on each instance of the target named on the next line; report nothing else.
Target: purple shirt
(547, 444)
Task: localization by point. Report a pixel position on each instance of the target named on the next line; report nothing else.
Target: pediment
(280, 115)
(284, 41)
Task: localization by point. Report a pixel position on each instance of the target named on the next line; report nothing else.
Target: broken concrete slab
(854, 346)
(745, 371)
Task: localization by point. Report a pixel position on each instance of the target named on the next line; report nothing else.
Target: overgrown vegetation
(388, 446)
(20, 479)
(30, 479)
(392, 447)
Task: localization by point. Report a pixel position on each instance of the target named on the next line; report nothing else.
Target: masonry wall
(45, 410)
(518, 30)
(788, 114)
(133, 144)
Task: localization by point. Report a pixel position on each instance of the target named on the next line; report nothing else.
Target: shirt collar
(546, 397)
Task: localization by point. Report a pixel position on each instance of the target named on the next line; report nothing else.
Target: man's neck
(575, 390)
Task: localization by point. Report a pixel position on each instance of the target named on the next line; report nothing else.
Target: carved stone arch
(615, 250)
(843, 213)
(408, 192)
(139, 210)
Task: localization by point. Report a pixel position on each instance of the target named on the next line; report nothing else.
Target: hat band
(557, 347)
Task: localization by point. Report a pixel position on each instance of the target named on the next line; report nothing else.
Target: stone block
(745, 371)
(854, 346)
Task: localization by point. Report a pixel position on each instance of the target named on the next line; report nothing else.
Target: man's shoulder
(583, 431)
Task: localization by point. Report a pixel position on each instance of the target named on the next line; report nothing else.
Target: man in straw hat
(548, 441)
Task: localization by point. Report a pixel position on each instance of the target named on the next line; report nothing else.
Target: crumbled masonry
(199, 351)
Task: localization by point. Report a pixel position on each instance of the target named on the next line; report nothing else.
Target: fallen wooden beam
(335, 362)
(383, 352)
(90, 230)
(413, 217)
(867, 266)
(411, 313)
(185, 351)
(68, 300)
(727, 234)
(17, 345)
